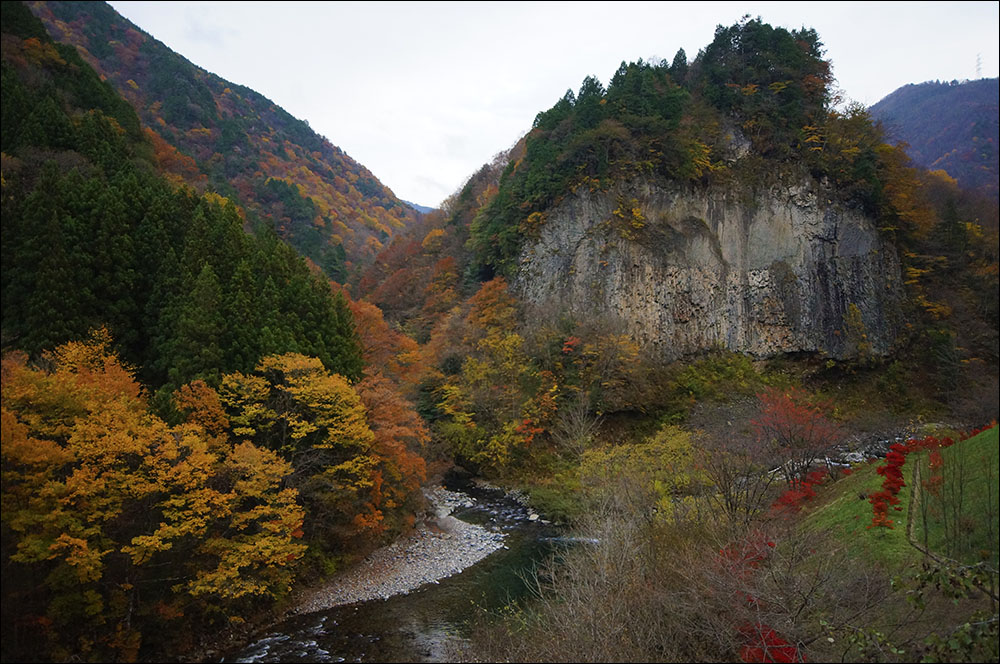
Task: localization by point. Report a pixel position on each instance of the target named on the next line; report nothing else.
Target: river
(429, 624)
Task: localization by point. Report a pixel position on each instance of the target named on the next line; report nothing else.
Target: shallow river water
(428, 624)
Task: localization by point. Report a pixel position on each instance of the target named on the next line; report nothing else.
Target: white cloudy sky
(425, 93)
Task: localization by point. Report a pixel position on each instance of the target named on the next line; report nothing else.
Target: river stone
(429, 557)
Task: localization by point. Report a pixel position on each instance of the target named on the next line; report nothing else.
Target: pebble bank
(435, 550)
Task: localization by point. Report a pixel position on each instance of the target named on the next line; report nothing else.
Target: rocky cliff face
(686, 269)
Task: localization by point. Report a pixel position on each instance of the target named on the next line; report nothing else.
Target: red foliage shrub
(764, 645)
(761, 642)
(892, 471)
(933, 483)
(797, 425)
(570, 345)
(798, 492)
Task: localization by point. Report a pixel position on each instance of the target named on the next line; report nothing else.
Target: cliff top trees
(661, 119)
(772, 80)
(591, 137)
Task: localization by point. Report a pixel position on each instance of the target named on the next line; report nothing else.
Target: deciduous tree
(108, 512)
(797, 427)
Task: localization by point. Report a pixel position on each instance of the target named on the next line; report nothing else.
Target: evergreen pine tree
(679, 67)
(160, 318)
(52, 313)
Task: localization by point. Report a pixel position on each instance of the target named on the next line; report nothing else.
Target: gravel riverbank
(437, 549)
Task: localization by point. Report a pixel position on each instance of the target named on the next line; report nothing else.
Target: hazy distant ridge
(950, 126)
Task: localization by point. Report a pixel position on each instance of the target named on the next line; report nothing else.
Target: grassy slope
(843, 508)
(840, 511)
(843, 511)
(972, 464)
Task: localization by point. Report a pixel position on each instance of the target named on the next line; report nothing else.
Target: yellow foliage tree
(101, 498)
(663, 466)
(315, 420)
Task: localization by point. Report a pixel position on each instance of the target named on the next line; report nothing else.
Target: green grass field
(842, 510)
(960, 522)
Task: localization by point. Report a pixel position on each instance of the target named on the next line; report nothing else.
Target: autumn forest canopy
(232, 358)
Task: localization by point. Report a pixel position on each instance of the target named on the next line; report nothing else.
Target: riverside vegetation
(198, 423)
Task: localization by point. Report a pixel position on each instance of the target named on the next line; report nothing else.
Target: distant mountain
(948, 126)
(329, 207)
(422, 209)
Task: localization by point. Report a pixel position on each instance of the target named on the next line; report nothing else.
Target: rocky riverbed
(407, 602)
(438, 548)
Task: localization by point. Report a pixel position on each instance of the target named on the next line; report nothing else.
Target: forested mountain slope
(193, 421)
(328, 206)
(188, 425)
(948, 126)
(93, 236)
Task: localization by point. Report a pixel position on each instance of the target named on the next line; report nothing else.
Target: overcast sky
(423, 94)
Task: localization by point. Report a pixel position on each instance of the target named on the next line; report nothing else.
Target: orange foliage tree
(400, 470)
(796, 427)
(396, 355)
(115, 522)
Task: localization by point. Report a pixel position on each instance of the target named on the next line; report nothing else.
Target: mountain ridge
(951, 126)
(94, 237)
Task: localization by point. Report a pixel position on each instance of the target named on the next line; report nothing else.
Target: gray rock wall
(707, 268)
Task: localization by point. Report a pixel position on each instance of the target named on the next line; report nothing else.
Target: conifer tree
(52, 313)
(679, 67)
(196, 351)
(160, 316)
(243, 344)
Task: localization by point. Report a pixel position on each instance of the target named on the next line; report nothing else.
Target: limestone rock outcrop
(685, 269)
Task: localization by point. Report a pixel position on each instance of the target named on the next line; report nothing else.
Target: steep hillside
(429, 268)
(187, 424)
(684, 209)
(93, 237)
(329, 207)
(948, 126)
